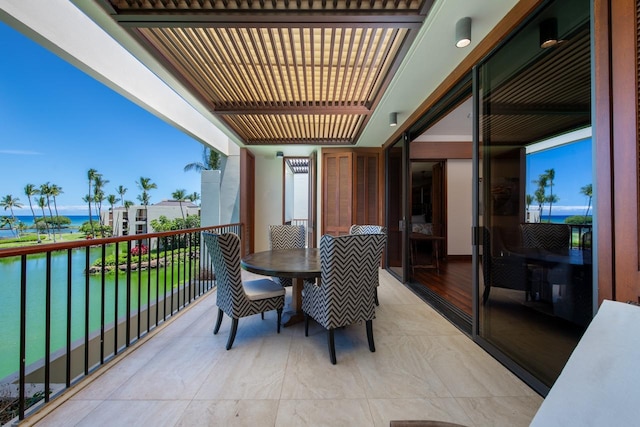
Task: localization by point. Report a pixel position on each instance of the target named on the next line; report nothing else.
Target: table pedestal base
(290, 318)
(295, 315)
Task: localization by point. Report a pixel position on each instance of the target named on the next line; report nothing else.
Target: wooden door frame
(247, 200)
(615, 119)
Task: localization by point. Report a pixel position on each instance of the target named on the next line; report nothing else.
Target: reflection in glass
(535, 282)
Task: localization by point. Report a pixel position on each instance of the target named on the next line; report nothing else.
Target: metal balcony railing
(69, 308)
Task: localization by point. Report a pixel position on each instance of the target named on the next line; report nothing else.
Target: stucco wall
(268, 198)
(459, 194)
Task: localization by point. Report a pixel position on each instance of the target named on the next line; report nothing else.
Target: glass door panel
(396, 208)
(535, 286)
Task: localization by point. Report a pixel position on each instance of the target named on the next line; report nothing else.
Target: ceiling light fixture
(393, 119)
(279, 154)
(549, 33)
(463, 32)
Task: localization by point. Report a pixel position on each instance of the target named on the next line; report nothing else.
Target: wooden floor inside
(452, 281)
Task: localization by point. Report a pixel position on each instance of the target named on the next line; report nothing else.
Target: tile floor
(423, 368)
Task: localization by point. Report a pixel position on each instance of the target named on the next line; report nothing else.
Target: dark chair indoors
(370, 229)
(345, 294)
(555, 238)
(502, 268)
(548, 241)
(237, 298)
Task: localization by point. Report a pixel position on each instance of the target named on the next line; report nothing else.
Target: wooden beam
(440, 150)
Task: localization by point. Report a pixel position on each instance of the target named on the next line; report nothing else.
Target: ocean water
(76, 222)
(555, 219)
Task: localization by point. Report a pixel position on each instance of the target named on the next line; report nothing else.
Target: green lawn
(31, 239)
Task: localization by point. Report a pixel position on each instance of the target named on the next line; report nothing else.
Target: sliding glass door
(397, 208)
(533, 256)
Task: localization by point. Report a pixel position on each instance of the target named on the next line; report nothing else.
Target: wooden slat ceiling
(280, 71)
(552, 95)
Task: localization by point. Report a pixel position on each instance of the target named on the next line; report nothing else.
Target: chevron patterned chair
(345, 294)
(502, 268)
(236, 298)
(546, 237)
(554, 238)
(286, 237)
(369, 229)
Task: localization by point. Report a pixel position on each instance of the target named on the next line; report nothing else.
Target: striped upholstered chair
(286, 237)
(344, 295)
(554, 238)
(236, 298)
(369, 229)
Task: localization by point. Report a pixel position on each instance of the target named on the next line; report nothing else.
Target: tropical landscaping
(541, 197)
(48, 226)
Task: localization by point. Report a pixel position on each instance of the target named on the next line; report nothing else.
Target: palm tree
(180, 195)
(22, 227)
(10, 202)
(539, 194)
(91, 175)
(587, 190)
(144, 199)
(551, 199)
(540, 199)
(98, 198)
(121, 190)
(30, 190)
(56, 191)
(127, 204)
(210, 161)
(6, 221)
(42, 202)
(550, 175)
(45, 190)
(112, 200)
(194, 197)
(98, 194)
(145, 185)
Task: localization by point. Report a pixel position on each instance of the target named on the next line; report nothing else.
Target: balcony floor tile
(423, 368)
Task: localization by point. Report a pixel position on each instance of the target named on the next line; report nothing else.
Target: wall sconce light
(463, 32)
(279, 155)
(393, 119)
(549, 33)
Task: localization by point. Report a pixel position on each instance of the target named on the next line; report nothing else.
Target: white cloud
(21, 152)
(62, 210)
(568, 208)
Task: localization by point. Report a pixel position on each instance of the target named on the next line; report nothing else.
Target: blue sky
(572, 165)
(56, 123)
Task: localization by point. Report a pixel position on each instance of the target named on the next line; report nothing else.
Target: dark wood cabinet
(352, 189)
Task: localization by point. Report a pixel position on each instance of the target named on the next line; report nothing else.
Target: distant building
(135, 219)
(533, 215)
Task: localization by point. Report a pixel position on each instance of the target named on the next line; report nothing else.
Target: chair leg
(306, 325)
(218, 322)
(279, 318)
(262, 315)
(376, 296)
(332, 346)
(232, 333)
(485, 294)
(372, 346)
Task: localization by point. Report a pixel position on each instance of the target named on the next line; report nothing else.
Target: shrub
(139, 250)
(578, 219)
